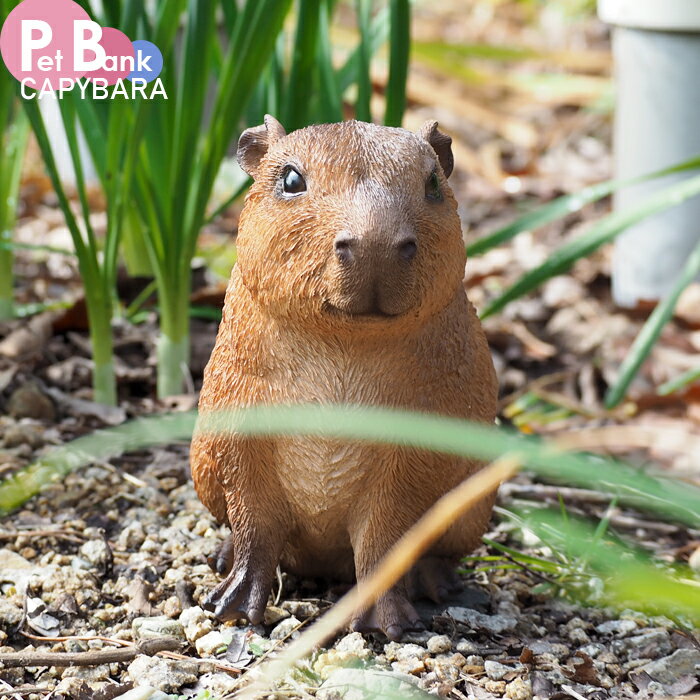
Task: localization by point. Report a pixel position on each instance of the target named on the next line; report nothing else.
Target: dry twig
(148, 647)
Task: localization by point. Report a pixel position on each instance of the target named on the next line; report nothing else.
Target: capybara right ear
(256, 141)
(441, 143)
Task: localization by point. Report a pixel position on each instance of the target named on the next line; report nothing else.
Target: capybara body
(347, 290)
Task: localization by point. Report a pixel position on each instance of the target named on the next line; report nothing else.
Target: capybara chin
(347, 290)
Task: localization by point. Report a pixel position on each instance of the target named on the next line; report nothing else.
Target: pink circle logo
(49, 44)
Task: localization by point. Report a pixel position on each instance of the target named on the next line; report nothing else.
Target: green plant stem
(602, 231)
(133, 246)
(104, 383)
(400, 47)
(649, 334)
(363, 111)
(7, 301)
(13, 142)
(680, 382)
(173, 345)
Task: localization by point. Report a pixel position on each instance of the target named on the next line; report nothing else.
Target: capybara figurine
(348, 290)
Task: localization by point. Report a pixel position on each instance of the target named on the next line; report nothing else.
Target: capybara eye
(293, 182)
(432, 188)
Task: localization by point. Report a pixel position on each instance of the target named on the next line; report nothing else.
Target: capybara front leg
(254, 550)
(392, 613)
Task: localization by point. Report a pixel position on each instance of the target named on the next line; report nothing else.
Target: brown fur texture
(347, 293)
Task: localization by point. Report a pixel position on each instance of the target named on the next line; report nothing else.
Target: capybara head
(351, 224)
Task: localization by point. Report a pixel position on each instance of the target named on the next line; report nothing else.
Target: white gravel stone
(519, 689)
(353, 643)
(214, 641)
(286, 629)
(97, 553)
(498, 624)
(161, 626)
(439, 644)
(164, 674)
(618, 628)
(496, 670)
(669, 669)
(195, 622)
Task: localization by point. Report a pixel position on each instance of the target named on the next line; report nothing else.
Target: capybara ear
(255, 142)
(441, 143)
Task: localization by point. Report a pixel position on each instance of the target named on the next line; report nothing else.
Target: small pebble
(618, 628)
(273, 615)
(195, 622)
(161, 626)
(301, 609)
(214, 642)
(496, 670)
(286, 628)
(439, 644)
(519, 689)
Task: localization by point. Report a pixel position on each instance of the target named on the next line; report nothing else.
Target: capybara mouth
(372, 314)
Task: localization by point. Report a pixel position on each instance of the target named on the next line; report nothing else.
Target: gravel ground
(116, 554)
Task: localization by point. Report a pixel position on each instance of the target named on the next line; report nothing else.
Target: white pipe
(656, 46)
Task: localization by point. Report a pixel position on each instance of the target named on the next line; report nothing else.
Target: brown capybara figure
(347, 290)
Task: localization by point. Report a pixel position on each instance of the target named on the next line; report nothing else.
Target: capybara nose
(407, 247)
(350, 248)
(345, 247)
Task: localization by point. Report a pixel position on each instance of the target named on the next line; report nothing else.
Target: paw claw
(239, 595)
(394, 632)
(392, 614)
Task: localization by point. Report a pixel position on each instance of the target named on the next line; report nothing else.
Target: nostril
(343, 246)
(408, 249)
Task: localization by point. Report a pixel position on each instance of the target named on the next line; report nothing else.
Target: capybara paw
(221, 560)
(392, 614)
(241, 594)
(434, 578)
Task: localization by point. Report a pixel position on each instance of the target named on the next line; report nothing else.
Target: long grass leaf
(680, 382)
(652, 330)
(400, 40)
(670, 499)
(363, 75)
(302, 71)
(330, 95)
(378, 36)
(601, 232)
(568, 204)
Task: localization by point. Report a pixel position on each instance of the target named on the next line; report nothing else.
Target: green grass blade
(302, 71)
(378, 35)
(652, 330)
(237, 192)
(363, 75)
(68, 118)
(400, 39)
(569, 204)
(190, 103)
(601, 232)
(230, 11)
(330, 96)
(680, 382)
(674, 500)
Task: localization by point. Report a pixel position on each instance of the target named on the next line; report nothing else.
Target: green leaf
(651, 330)
(601, 232)
(304, 57)
(364, 57)
(400, 39)
(680, 382)
(568, 204)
